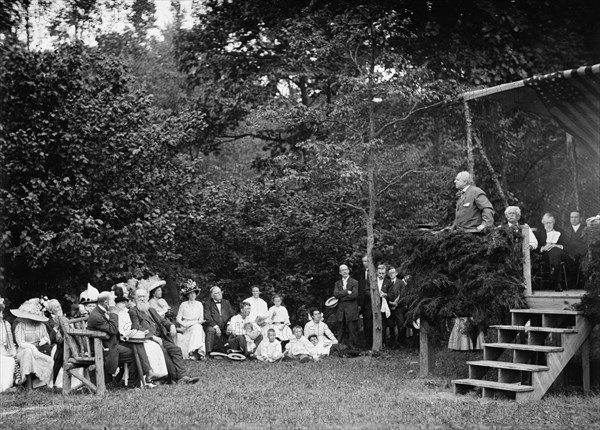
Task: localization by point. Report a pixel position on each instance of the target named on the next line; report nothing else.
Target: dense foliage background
(236, 150)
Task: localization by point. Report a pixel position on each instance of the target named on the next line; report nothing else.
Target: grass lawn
(339, 393)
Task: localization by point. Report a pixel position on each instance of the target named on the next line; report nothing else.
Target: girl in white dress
(8, 350)
(191, 317)
(279, 320)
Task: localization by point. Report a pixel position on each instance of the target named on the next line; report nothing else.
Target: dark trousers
(143, 357)
(121, 355)
(367, 314)
(396, 321)
(174, 360)
(347, 332)
(214, 342)
(553, 259)
(58, 360)
(239, 342)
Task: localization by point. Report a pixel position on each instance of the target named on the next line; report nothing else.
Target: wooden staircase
(529, 355)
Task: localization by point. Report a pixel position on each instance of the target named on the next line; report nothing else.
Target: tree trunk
(470, 159)
(572, 154)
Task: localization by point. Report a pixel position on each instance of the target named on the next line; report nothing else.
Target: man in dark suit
(114, 352)
(575, 249)
(161, 331)
(346, 291)
(474, 212)
(364, 302)
(393, 290)
(217, 313)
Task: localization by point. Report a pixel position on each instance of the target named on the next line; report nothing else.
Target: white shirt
(321, 330)
(236, 325)
(257, 307)
(576, 227)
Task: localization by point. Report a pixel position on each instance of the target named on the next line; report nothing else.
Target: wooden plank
(426, 350)
(517, 388)
(585, 366)
(531, 328)
(508, 365)
(547, 311)
(557, 303)
(99, 358)
(87, 333)
(522, 347)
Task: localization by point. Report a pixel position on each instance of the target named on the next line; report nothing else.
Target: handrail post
(526, 259)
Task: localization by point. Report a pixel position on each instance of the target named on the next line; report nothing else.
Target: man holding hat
(346, 291)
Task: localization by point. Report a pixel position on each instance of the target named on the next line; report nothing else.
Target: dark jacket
(213, 317)
(348, 303)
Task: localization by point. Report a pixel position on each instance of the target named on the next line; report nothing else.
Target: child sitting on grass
(321, 348)
(270, 351)
(299, 347)
(250, 335)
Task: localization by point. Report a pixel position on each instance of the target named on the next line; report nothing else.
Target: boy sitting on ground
(299, 347)
(321, 347)
(270, 351)
(250, 334)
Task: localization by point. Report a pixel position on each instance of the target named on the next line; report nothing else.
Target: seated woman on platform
(191, 317)
(151, 355)
(8, 351)
(551, 247)
(33, 343)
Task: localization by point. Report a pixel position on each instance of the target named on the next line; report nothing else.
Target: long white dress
(28, 334)
(279, 320)
(7, 361)
(190, 316)
(155, 354)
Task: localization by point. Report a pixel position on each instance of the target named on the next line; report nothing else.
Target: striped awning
(571, 97)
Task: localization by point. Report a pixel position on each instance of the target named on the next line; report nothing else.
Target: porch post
(526, 260)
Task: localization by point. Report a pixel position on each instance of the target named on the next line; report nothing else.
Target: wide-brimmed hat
(121, 292)
(236, 356)
(262, 319)
(90, 295)
(31, 310)
(331, 302)
(189, 287)
(152, 283)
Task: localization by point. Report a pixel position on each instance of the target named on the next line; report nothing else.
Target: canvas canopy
(571, 97)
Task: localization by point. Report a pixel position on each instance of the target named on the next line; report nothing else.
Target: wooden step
(516, 388)
(507, 365)
(546, 311)
(531, 328)
(523, 347)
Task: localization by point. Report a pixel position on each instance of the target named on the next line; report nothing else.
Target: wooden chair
(82, 349)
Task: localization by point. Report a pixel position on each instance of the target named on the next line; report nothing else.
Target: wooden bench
(82, 349)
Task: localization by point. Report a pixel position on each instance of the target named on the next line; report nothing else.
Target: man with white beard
(144, 317)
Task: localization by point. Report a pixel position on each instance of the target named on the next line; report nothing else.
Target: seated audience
(551, 247)
(217, 313)
(88, 300)
(144, 317)
(258, 307)
(150, 353)
(513, 215)
(56, 314)
(115, 353)
(240, 328)
(8, 351)
(320, 329)
(191, 317)
(299, 347)
(33, 343)
(575, 249)
(270, 351)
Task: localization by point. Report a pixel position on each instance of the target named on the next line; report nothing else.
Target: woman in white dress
(31, 336)
(191, 317)
(8, 350)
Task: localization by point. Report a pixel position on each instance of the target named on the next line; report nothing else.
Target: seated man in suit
(551, 244)
(513, 216)
(114, 352)
(217, 313)
(575, 249)
(161, 331)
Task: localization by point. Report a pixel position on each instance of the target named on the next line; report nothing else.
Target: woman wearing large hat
(8, 350)
(155, 292)
(191, 317)
(31, 337)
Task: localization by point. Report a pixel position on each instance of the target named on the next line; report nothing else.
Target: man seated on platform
(115, 353)
(161, 331)
(513, 215)
(217, 313)
(236, 329)
(551, 244)
(474, 212)
(575, 249)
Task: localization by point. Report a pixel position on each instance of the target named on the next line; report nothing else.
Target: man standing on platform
(575, 249)
(474, 212)
(346, 291)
